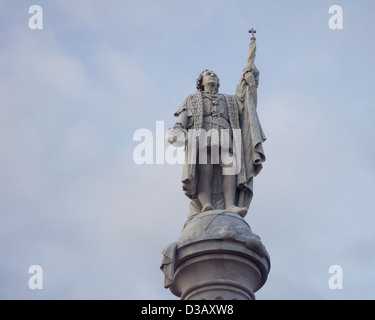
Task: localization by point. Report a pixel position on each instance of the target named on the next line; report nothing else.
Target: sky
(74, 202)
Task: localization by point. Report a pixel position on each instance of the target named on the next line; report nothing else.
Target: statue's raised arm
(251, 129)
(250, 74)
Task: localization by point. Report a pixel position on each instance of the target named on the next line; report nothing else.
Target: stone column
(217, 257)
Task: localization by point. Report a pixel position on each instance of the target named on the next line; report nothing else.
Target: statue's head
(208, 78)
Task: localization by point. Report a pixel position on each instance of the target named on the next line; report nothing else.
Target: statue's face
(210, 78)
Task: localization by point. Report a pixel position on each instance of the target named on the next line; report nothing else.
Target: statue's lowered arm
(178, 133)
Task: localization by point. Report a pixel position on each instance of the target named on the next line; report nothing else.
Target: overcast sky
(72, 199)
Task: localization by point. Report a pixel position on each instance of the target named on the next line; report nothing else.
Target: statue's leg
(229, 190)
(204, 184)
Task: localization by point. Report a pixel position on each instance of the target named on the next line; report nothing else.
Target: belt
(217, 120)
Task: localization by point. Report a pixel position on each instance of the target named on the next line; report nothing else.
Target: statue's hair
(200, 86)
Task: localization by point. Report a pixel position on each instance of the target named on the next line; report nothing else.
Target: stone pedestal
(217, 257)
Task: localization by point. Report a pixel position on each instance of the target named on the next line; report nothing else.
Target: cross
(252, 31)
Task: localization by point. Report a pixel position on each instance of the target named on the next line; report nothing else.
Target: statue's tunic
(215, 121)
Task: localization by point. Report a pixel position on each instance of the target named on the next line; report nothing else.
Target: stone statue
(223, 141)
(217, 256)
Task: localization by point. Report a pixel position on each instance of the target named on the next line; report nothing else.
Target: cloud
(310, 178)
(69, 200)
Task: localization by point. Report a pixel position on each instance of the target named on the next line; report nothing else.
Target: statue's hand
(255, 72)
(250, 79)
(251, 75)
(176, 136)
